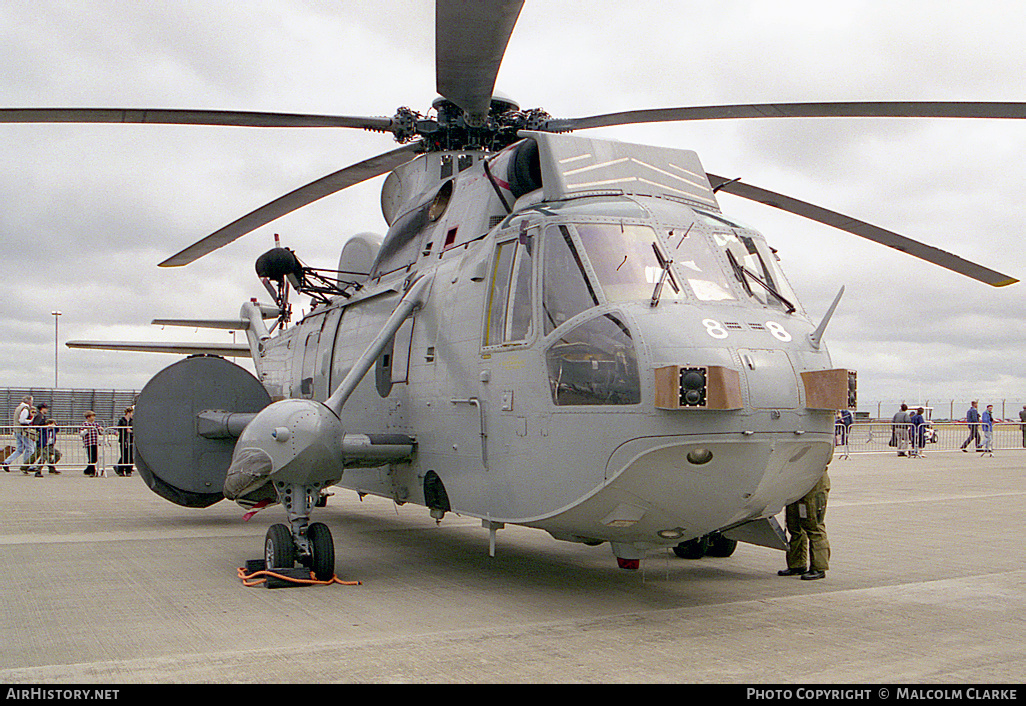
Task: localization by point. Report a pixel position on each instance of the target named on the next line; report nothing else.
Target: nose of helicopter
(662, 489)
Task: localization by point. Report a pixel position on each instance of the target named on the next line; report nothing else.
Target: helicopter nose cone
(298, 441)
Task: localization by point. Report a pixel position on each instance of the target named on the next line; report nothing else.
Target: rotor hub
(451, 129)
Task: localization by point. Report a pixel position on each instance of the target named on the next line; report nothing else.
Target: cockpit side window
(509, 313)
(566, 290)
(594, 364)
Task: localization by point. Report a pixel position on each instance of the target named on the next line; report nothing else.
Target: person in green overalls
(806, 527)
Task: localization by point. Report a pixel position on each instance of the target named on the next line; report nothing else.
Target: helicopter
(565, 333)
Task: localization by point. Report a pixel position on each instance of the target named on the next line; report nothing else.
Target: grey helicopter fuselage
(569, 275)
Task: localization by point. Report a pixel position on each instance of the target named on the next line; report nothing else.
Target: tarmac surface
(104, 582)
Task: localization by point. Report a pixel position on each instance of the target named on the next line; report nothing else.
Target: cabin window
(594, 364)
(627, 260)
(509, 317)
(566, 291)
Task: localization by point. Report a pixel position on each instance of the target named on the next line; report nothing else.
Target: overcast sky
(87, 212)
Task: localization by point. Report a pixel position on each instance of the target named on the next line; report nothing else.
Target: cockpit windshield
(753, 263)
(628, 261)
(755, 268)
(710, 260)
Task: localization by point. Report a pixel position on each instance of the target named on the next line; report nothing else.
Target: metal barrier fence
(66, 453)
(879, 437)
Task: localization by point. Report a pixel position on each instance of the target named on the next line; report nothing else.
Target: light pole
(55, 315)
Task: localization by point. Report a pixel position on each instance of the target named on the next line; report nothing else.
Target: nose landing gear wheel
(322, 551)
(720, 546)
(279, 549)
(692, 549)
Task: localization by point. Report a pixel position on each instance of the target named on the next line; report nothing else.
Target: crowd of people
(911, 430)
(908, 431)
(35, 441)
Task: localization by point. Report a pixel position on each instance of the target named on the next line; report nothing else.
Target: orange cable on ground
(248, 579)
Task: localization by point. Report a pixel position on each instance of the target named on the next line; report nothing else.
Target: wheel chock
(288, 578)
(256, 573)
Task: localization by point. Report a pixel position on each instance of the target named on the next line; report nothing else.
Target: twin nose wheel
(714, 544)
(281, 552)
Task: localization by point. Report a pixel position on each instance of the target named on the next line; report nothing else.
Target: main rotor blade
(234, 118)
(325, 186)
(863, 229)
(901, 109)
(470, 41)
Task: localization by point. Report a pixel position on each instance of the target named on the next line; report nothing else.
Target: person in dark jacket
(972, 420)
(1022, 418)
(125, 442)
(918, 431)
(47, 452)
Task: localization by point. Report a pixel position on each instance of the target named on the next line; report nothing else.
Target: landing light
(700, 456)
(675, 533)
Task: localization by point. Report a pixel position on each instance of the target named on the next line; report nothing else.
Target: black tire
(279, 549)
(720, 546)
(322, 548)
(691, 549)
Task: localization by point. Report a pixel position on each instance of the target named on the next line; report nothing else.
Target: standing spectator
(1022, 418)
(918, 432)
(23, 445)
(47, 452)
(987, 426)
(125, 441)
(900, 429)
(846, 421)
(91, 440)
(972, 419)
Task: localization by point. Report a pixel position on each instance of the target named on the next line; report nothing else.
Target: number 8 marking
(714, 329)
(778, 331)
